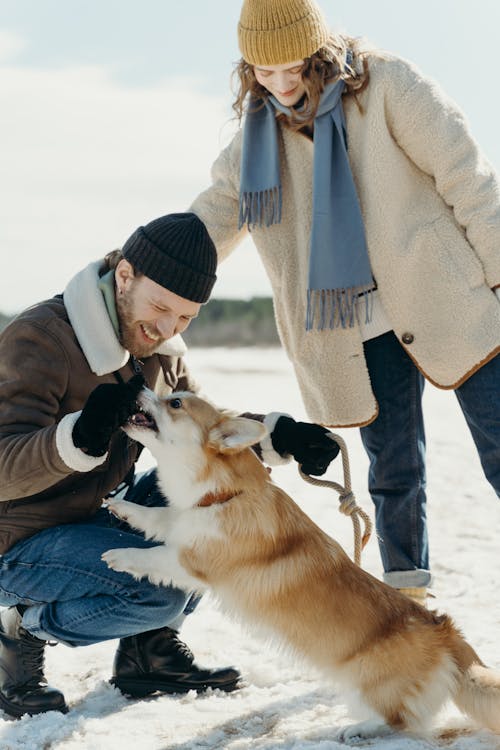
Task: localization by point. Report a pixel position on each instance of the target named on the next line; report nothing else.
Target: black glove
(309, 444)
(107, 408)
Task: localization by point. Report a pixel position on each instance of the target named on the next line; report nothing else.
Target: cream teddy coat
(431, 207)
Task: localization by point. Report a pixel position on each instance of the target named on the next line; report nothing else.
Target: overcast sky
(112, 111)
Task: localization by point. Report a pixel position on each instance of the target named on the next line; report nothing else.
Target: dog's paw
(119, 509)
(128, 560)
(117, 559)
(353, 734)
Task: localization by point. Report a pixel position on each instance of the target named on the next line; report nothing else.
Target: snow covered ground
(283, 705)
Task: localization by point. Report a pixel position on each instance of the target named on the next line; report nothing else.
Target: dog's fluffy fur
(271, 566)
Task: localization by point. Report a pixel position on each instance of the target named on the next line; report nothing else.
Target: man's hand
(107, 408)
(309, 444)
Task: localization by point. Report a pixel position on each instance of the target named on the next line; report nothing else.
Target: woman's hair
(326, 65)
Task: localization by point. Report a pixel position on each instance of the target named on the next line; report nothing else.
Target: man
(70, 372)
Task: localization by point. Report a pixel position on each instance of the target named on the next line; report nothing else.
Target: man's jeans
(73, 596)
(395, 444)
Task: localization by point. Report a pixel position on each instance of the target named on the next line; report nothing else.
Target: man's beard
(130, 330)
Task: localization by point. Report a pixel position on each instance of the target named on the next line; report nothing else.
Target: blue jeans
(72, 595)
(395, 444)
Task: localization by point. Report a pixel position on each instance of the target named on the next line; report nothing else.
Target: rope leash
(348, 505)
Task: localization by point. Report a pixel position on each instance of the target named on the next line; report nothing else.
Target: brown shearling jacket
(51, 357)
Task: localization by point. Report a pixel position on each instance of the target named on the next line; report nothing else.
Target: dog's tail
(477, 691)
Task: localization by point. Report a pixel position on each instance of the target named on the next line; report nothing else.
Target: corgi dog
(229, 528)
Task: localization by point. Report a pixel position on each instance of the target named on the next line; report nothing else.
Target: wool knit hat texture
(177, 252)
(275, 32)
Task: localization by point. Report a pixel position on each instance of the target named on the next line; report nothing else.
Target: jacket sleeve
(218, 205)
(434, 133)
(265, 449)
(34, 374)
(185, 380)
(176, 377)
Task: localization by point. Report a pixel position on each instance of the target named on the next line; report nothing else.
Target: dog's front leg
(160, 564)
(148, 520)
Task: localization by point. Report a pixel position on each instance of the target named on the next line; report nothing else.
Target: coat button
(407, 338)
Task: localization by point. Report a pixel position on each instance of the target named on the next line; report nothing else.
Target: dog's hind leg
(160, 564)
(364, 730)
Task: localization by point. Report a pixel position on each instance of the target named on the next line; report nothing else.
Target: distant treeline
(234, 322)
(228, 322)
(4, 319)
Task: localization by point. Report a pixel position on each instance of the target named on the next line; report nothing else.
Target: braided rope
(348, 505)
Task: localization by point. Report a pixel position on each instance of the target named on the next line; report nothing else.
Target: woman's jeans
(73, 596)
(395, 444)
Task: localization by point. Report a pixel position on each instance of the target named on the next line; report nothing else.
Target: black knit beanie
(175, 251)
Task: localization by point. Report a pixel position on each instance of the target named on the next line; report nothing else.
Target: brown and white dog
(229, 528)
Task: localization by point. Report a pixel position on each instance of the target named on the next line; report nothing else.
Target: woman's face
(284, 82)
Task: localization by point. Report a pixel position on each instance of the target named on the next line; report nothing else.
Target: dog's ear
(234, 434)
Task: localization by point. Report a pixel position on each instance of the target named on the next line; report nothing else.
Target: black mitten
(309, 444)
(107, 408)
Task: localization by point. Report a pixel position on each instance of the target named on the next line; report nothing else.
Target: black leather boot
(159, 661)
(23, 687)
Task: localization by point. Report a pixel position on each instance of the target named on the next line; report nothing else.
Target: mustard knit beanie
(275, 32)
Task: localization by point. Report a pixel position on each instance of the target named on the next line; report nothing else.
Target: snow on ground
(284, 705)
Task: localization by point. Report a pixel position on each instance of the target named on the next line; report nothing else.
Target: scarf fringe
(262, 208)
(336, 308)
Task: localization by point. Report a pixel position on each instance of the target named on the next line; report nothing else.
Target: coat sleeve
(434, 133)
(265, 449)
(185, 380)
(176, 377)
(34, 374)
(218, 205)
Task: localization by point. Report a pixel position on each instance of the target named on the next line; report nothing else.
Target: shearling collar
(89, 318)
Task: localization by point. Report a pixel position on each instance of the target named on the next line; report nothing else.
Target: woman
(378, 222)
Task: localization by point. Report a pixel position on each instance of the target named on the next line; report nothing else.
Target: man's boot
(159, 661)
(23, 687)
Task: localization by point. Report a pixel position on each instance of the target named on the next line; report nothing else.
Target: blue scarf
(339, 267)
